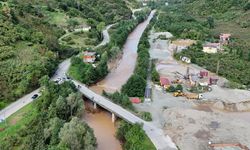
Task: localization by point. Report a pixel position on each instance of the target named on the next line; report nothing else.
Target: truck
(194, 96)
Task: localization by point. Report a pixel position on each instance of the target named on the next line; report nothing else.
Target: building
(135, 100)
(203, 74)
(211, 48)
(89, 57)
(164, 82)
(225, 39)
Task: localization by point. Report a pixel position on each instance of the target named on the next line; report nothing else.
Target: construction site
(193, 106)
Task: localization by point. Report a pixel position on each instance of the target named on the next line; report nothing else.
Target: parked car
(34, 96)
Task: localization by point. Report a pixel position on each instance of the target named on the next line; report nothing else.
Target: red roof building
(135, 100)
(203, 74)
(164, 81)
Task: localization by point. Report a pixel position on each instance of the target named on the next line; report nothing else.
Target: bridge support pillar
(113, 117)
(95, 106)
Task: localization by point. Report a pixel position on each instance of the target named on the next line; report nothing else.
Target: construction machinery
(194, 96)
(178, 93)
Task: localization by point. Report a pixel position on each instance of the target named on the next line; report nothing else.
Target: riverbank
(120, 74)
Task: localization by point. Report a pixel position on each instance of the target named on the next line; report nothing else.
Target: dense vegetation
(133, 137)
(204, 20)
(135, 86)
(86, 73)
(30, 31)
(55, 125)
(231, 66)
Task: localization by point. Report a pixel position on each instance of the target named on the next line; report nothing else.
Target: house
(211, 48)
(203, 74)
(164, 82)
(213, 81)
(225, 38)
(89, 57)
(135, 100)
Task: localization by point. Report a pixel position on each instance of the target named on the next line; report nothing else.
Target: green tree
(135, 86)
(52, 132)
(210, 21)
(179, 87)
(75, 103)
(76, 135)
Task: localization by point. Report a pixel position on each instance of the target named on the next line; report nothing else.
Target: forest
(55, 122)
(29, 47)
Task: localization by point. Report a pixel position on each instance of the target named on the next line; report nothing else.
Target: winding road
(157, 136)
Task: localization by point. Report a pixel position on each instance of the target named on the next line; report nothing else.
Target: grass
(61, 19)
(147, 142)
(74, 72)
(80, 40)
(16, 121)
(231, 27)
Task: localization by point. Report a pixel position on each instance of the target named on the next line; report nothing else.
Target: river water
(120, 74)
(100, 121)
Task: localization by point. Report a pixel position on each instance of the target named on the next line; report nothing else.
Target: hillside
(205, 20)
(29, 47)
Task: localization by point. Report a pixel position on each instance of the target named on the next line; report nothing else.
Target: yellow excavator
(178, 93)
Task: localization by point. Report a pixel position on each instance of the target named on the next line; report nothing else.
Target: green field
(17, 121)
(80, 40)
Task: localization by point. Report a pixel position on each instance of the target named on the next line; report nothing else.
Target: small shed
(211, 47)
(164, 81)
(135, 100)
(203, 74)
(225, 38)
(213, 81)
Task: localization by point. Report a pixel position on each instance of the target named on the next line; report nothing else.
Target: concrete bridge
(157, 136)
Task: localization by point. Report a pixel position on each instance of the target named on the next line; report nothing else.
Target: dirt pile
(193, 129)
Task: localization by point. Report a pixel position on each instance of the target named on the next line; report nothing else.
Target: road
(161, 141)
(157, 136)
(60, 73)
(105, 34)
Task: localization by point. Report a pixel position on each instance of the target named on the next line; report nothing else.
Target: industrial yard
(201, 112)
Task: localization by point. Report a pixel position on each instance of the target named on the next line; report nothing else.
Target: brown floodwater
(104, 130)
(125, 67)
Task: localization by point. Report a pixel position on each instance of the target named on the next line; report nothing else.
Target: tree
(210, 21)
(77, 135)
(155, 75)
(135, 86)
(51, 133)
(100, 27)
(61, 108)
(75, 104)
(179, 87)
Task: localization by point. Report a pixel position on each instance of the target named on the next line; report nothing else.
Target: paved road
(106, 37)
(161, 141)
(60, 73)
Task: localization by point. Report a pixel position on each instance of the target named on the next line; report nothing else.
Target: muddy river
(100, 121)
(125, 67)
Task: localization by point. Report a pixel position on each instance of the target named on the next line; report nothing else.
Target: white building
(211, 48)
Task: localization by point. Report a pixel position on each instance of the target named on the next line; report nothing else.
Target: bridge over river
(157, 136)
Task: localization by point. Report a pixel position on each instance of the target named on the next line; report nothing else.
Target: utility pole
(218, 67)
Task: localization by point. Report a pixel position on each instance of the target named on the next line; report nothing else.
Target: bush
(135, 86)
(145, 116)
